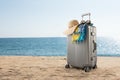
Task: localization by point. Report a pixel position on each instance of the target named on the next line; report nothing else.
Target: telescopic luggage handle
(87, 14)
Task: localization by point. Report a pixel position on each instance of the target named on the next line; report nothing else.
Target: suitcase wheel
(87, 69)
(94, 67)
(67, 66)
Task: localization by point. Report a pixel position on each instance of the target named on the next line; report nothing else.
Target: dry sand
(52, 68)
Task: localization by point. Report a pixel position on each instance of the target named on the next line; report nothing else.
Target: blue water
(52, 46)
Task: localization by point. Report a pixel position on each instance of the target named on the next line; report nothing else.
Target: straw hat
(71, 27)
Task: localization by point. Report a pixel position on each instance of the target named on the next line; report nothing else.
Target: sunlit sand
(52, 68)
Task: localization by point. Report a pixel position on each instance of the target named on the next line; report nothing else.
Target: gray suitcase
(83, 54)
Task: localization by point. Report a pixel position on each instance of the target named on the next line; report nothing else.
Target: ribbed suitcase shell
(84, 53)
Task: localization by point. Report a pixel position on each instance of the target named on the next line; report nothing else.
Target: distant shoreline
(51, 56)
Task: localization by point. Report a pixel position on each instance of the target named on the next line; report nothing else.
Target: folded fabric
(79, 33)
(75, 37)
(83, 32)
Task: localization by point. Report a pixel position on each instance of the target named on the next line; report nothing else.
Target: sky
(49, 18)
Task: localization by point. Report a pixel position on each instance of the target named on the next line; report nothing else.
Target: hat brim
(70, 30)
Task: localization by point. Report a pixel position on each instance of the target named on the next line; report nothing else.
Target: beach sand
(52, 68)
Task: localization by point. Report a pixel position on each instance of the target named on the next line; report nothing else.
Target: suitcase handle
(95, 46)
(87, 14)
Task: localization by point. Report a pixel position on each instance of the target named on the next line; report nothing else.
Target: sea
(52, 46)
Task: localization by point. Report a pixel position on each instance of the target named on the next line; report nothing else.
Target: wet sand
(52, 68)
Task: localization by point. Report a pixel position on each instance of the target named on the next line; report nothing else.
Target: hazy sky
(39, 18)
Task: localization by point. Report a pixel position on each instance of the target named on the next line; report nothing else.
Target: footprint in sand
(11, 70)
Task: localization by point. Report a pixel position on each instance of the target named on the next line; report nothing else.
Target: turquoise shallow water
(52, 46)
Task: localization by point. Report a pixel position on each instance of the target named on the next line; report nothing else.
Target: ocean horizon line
(36, 37)
(54, 37)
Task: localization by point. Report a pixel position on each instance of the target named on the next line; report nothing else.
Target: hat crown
(73, 23)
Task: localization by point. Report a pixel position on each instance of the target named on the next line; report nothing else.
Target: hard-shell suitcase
(83, 54)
